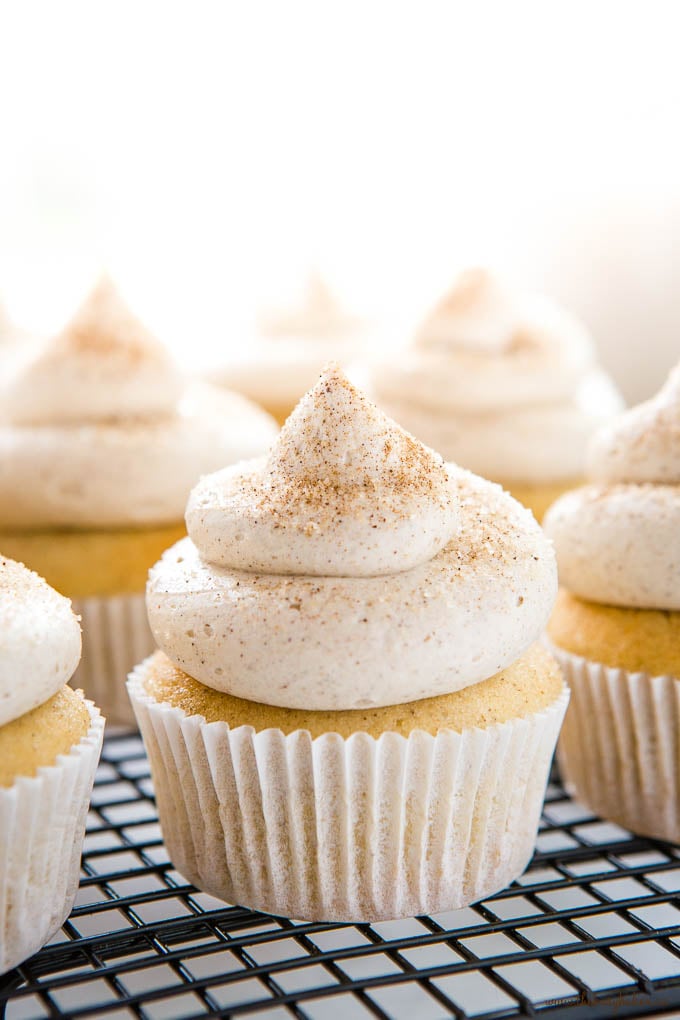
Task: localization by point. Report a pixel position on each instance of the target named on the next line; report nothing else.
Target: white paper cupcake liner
(619, 751)
(347, 830)
(42, 824)
(116, 636)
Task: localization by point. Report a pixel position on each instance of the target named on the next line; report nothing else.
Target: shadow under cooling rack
(591, 930)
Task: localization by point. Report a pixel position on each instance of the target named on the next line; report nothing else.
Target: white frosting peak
(103, 365)
(39, 641)
(618, 540)
(344, 491)
(642, 445)
(319, 316)
(480, 313)
(337, 437)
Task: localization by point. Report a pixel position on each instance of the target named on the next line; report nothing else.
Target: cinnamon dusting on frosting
(344, 491)
(336, 443)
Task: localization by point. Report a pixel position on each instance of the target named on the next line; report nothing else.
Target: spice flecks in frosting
(337, 439)
(642, 445)
(344, 491)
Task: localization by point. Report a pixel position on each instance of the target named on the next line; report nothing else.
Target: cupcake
(50, 739)
(348, 717)
(616, 626)
(503, 384)
(101, 440)
(291, 347)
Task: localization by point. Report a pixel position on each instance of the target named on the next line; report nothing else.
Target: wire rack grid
(592, 929)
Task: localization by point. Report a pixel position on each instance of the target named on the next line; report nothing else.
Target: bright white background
(209, 153)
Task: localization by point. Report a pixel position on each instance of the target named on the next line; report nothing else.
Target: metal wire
(591, 930)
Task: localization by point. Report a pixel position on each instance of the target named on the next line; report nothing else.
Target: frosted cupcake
(503, 384)
(616, 627)
(348, 717)
(290, 349)
(50, 739)
(101, 441)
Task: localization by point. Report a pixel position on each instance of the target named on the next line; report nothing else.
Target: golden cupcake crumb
(38, 737)
(528, 685)
(637, 640)
(80, 564)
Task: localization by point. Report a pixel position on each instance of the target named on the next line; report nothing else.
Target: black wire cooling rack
(591, 930)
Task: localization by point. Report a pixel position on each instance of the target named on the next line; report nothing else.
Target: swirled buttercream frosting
(99, 429)
(488, 362)
(39, 640)
(618, 539)
(351, 567)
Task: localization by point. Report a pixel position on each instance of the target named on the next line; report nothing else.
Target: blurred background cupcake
(616, 626)
(502, 383)
(101, 439)
(290, 347)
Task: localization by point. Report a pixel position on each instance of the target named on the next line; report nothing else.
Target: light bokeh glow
(209, 153)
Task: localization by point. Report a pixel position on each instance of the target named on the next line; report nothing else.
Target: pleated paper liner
(116, 636)
(42, 825)
(619, 750)
(355, 830)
